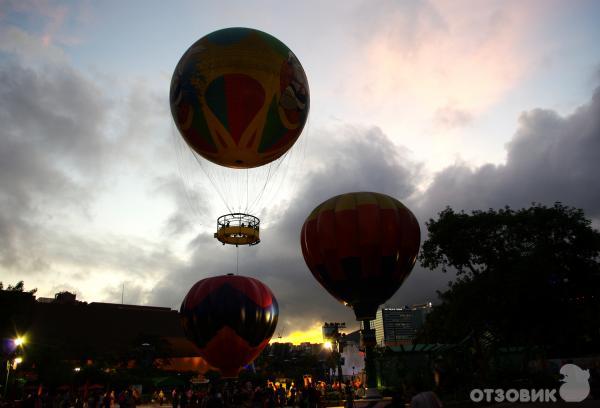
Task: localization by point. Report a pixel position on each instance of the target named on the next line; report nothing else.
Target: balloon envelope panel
(361, 247)
(231, 319)
(239, 97)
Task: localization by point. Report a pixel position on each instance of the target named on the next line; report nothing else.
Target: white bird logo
(576, 385)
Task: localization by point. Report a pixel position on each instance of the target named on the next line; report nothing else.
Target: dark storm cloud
(132, 257)
(58, 113)
(50, 122)
(550, 158)
(344, 160)
(130, 292)
(57, 156)
(189, 205)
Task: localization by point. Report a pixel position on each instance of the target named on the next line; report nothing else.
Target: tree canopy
(528, 277)
(18, 287)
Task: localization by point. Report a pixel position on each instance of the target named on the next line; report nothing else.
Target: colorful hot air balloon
(361, 247)
(239, 97)
(231, 319)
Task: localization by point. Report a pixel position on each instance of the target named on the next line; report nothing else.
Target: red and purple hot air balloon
(231, 319)
(361, 247)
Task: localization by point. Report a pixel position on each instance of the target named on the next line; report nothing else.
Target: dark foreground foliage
(528, 278)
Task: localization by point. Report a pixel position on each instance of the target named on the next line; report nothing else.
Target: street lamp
(18, 342)
(333, 337)
(14, 363)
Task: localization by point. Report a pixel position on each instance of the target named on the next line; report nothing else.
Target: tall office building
(396, 326)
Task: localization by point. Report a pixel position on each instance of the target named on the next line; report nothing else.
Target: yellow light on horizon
(328, 345)
(312, 335)
(19, 341)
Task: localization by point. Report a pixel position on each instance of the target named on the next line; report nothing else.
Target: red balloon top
(361, 247)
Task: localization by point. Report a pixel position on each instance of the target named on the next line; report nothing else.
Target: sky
(468, 104)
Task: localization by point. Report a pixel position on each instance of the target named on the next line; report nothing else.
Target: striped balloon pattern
(361, 247)
(230, 318)
(239, 97)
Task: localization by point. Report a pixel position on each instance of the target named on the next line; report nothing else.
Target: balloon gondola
(238, 229)
(230, 319)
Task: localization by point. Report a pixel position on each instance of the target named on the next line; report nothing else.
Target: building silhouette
(396, 326)
(77, 331)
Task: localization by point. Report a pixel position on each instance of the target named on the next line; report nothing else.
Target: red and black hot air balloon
(231, 319)
(361, 247)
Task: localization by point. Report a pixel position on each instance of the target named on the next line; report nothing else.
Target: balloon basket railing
(238, 229)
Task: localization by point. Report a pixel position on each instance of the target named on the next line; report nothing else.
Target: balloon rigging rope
(300, 161)
(258, 197)
(264, 186)
(187, 184)
(272, 170)
(275, 179)
(225, 184)
(208, 176)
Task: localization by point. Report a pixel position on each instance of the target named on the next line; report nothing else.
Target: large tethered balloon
(361, 247)
(239, 97)
(231, 319)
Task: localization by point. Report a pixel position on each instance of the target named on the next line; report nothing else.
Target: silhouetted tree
(16, 307)
(526, 277)
(19, 287)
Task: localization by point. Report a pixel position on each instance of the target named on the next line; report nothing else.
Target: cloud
(28, 47)
(190, 205)
(61, 158)
(450, 117)
(130, 292)
(53, 20)
(550, 158)
(50, 123)
(58, 113)
(419, 57)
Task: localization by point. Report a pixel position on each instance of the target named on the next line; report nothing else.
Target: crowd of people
(221, 395)
(82, 398)
(280, 395)
(269, 395)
